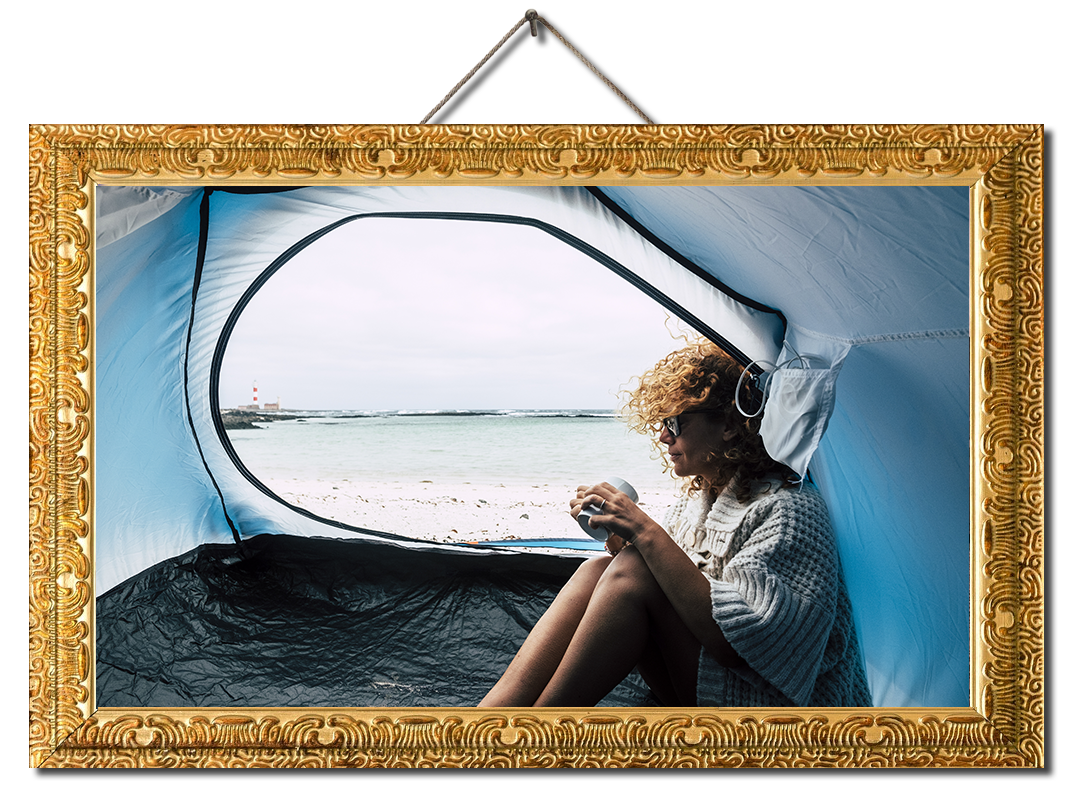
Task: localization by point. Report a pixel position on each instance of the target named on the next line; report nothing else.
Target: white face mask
(799, 396)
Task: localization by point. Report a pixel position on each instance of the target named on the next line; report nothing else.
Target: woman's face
(700, 434)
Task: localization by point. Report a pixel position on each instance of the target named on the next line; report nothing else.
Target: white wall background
(821, 62)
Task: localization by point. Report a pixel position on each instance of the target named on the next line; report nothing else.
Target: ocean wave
(453, 412)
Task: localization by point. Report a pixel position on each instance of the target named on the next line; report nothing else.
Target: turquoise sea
(508, 447)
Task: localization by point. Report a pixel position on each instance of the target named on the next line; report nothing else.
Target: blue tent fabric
(884, 270)
(873, 277)
(153, 496)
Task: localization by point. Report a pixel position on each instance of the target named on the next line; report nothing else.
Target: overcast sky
(426, 314)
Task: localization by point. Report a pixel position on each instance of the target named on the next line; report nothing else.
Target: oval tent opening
(442, 379)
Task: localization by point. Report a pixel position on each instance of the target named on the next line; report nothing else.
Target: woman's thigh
(587, 575)
(672, 654)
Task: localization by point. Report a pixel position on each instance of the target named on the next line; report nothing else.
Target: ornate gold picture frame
(1003, 726)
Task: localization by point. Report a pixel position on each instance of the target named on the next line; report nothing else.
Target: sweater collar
(714, 519)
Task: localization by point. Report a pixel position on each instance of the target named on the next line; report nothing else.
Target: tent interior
(212, 591)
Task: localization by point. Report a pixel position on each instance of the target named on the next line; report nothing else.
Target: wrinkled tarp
(295, 621)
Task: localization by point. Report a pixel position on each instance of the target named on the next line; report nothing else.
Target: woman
(737, 600)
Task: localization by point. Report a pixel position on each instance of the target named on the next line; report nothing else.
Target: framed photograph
(1001, 166)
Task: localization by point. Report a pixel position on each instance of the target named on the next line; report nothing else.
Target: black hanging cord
(202, 244)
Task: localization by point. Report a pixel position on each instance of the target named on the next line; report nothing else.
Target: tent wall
(884, 271)
(153, 498)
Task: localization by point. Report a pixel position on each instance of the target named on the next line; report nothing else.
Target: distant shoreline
(234, 419)
(246, 419)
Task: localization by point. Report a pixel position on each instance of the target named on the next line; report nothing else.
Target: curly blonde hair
(701, 377)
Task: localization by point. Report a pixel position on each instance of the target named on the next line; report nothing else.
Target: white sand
(451, 512)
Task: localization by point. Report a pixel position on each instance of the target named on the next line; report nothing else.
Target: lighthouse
(255, 394)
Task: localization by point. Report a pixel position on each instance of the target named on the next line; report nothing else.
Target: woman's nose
(665, 435)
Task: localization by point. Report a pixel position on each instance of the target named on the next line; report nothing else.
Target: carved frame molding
(1004, 726)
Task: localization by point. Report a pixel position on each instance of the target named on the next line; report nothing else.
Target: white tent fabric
(872, 282)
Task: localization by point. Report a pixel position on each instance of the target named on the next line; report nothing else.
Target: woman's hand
(614, 511)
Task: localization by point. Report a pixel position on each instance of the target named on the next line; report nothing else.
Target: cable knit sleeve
(776, 598)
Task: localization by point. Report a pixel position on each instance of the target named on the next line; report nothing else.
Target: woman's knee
(628, 572)
(590, 571)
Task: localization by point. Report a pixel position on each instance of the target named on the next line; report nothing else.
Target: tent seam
(879, 338)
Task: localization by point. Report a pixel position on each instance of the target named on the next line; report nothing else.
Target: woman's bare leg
(653, 669)
(543, 649)
(627, 613)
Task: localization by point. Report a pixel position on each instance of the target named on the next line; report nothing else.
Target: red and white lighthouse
(255, 394)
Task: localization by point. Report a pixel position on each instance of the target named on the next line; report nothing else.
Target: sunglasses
(674, 424)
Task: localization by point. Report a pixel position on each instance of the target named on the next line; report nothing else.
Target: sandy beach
(452, 512)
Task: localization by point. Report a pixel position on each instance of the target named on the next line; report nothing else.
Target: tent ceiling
(850, 262)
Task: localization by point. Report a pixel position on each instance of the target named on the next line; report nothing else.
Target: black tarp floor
(294, 621)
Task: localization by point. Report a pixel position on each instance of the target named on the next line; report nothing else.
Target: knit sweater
(778, 596)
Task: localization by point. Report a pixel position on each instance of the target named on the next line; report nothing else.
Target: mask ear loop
(770, 370)
(762, 388)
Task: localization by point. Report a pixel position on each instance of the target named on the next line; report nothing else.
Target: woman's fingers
(578, 503)
(603, 499)
(586, 496)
